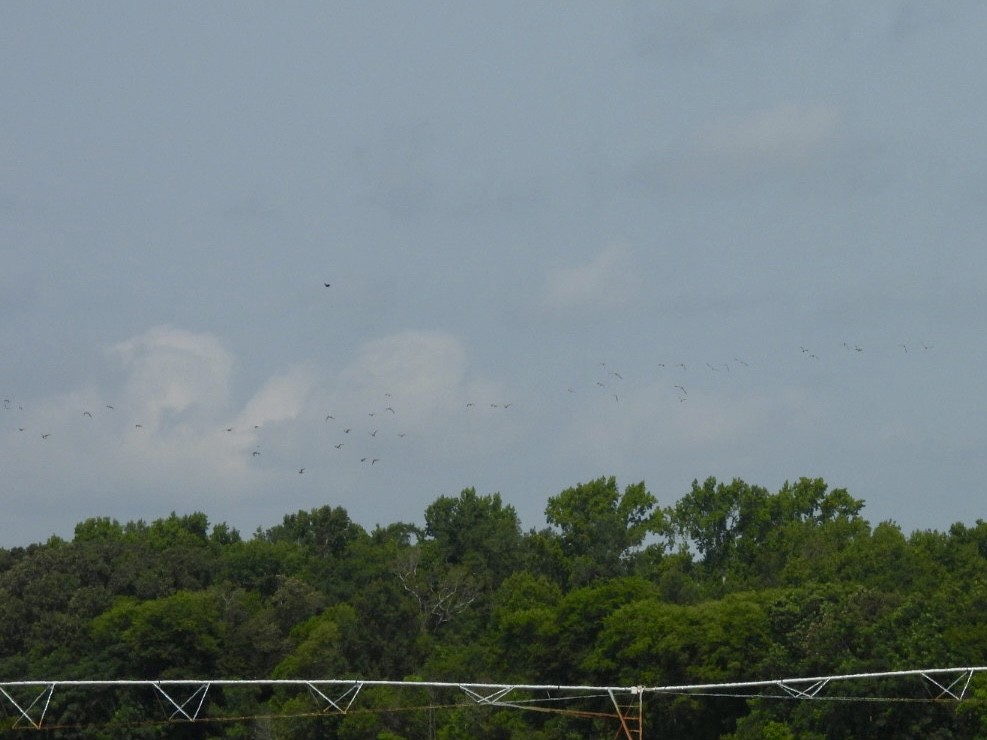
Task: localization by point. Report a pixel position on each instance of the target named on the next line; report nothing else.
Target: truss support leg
(627, 719)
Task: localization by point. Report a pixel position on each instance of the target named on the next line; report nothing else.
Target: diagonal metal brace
(495, 698)
(338, 704)
(808, 693)
(46, 692)
(948, 689)
(180, 708)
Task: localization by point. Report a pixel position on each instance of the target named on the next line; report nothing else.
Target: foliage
(730, 583)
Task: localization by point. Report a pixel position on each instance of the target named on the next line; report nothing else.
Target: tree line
(731, 583)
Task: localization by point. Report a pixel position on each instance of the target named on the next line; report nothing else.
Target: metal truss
(186, 698)
(945, 684)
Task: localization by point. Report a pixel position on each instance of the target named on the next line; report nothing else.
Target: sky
(656, 240)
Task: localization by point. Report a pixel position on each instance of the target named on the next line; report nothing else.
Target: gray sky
(656, 240)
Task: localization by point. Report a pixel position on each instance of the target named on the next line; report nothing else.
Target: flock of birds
(610, 380)
(361, 439)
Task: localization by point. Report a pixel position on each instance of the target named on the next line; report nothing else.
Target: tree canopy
(727, 582)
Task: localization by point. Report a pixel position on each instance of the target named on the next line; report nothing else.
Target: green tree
(601, 530)
(747, 536)
(478, 532)
(177, 636)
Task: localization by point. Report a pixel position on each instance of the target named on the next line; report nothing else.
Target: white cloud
(787, 135)
(282, 398)
(607, 280)
(168, 437)
(171, 372)
(424, 367)
(424, 377)
(786, 139)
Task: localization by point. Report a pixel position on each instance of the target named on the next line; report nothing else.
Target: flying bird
(326, 284)
(339, 446)
(87, 413)
(301, 470)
